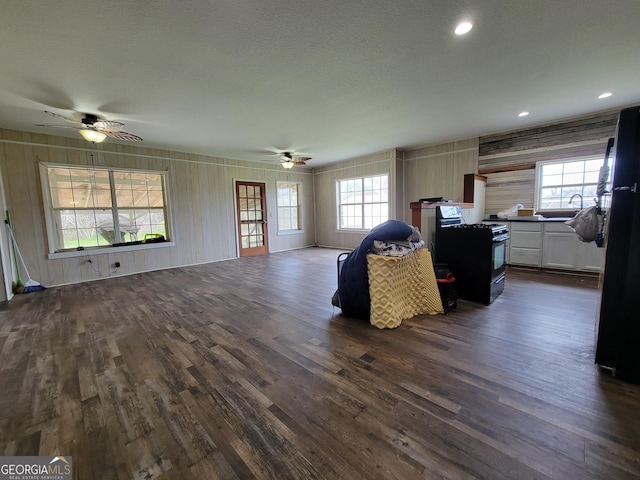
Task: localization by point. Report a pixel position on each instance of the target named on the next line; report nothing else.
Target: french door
(251, 204)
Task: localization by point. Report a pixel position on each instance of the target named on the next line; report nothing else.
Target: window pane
(548, 180)
(74, 188)
(62, 198)
(284, 219)
(593, 165)
(552, 169)
(124, 198)
(551, 198)
(141, 198)
(588, 192)
(572, 178)
(78, 228)
(574, 167)
(591, 177)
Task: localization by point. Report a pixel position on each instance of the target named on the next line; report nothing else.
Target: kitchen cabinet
(559, 247)
(563, 250)
(474, 193)
(590, 257)
(526, 244)
(550, 244)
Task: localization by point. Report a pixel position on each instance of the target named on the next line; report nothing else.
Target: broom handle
(15, 246)
(14, 259)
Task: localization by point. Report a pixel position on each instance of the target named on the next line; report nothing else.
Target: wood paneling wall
(508, 160)
(201, 200)
(438, 171)
(505, 189)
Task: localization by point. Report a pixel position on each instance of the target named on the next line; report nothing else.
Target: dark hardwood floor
(243, 369)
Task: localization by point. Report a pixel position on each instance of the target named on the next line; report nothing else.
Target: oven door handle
(501, 238)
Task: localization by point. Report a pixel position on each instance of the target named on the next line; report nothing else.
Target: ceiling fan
(94, 130)
(287, 160)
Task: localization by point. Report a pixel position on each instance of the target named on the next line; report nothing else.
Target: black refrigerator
(618, 339)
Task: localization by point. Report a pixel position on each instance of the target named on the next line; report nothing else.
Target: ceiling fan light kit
(93, 136)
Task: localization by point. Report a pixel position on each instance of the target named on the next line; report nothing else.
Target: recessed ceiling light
(523, 114)
(605, 95)
(464, 27)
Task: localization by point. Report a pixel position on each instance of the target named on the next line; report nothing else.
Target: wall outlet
(116, 264)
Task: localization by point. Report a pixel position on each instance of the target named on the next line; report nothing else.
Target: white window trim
(297, 231)
(107, 250)
(536, 192)
(337, 197)
(48, 207)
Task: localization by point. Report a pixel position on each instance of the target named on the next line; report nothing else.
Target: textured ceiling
(331, 79)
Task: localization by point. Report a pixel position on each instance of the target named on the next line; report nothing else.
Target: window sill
(107, 250)
(290, 232)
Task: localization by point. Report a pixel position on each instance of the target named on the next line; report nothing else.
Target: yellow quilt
(401, 288)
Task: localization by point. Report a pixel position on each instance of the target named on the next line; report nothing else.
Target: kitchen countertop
(529, 219)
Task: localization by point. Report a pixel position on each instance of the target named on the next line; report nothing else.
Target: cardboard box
(525, 212)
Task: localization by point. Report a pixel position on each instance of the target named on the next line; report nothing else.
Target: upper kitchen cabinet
(474, 193)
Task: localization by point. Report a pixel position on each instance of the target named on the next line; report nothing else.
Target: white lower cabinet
(590, 257)
(552, 245)
(526, 244)
(559, 247)
(562, 249)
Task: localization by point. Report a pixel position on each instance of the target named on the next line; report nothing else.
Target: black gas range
(474, 253)
(496, 230)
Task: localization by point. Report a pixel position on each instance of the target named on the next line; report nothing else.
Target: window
(97, 207)
(363, 203)
(559, 181)
(289, 203)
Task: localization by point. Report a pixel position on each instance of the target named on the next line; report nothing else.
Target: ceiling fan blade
(77, 123)
(57, 126)
(120, 135)
(108, 125)
(300, 160)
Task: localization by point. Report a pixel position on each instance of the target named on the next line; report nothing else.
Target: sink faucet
(574, 196)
